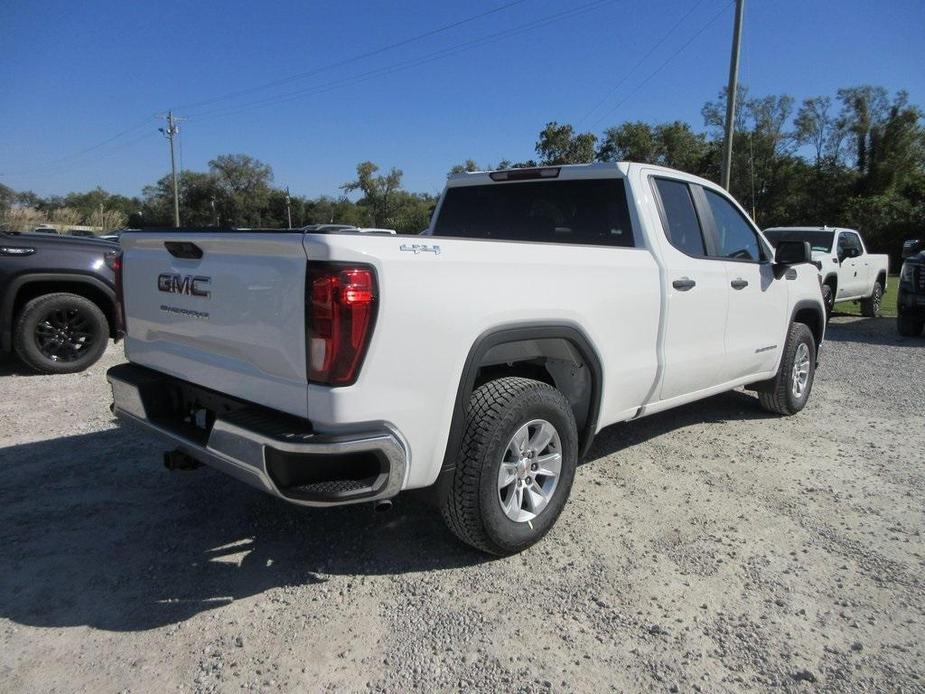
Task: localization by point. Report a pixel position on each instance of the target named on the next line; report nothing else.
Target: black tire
(83, 322)
(870, 307)
(909, 326)
(828, 299)
(496, 412)
(778, 395)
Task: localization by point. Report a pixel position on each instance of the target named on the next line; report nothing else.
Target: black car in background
(57, 299)
(910, 303)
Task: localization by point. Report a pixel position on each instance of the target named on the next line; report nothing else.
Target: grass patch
(887, 304)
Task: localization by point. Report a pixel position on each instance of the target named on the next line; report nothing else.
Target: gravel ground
(711, 548)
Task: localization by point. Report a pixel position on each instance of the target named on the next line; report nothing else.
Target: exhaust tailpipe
(382, 506)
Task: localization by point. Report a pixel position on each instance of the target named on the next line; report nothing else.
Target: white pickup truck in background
(477, 360)
(848, 272)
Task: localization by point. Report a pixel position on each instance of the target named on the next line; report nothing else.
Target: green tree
(467, 166)
(672, 144)
(379, 192)
(7, 198)
(558, 144)
(244, 184)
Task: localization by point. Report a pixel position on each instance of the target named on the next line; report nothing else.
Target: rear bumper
(270, 450)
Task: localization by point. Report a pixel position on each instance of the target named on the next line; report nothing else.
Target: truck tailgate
(231, 319)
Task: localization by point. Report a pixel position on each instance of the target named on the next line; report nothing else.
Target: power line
(74, 164)
(38, 168)
(664, 64)
(41, 167)
(353, 59)
(641, 61)
(404, 65)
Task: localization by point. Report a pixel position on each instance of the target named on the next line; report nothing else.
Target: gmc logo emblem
(184, 284)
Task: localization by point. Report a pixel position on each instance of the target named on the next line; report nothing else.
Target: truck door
(758, 300)
(696, 294)
(852, 280)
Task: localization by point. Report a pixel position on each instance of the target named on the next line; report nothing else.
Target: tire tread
(775, 397)
(487, 405)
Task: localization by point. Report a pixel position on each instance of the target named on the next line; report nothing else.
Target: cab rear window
(593, 212)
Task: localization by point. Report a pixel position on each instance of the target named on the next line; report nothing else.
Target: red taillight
(114, 262)
(341, 306)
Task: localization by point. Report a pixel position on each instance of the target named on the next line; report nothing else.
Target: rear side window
(590, 211)
(735, 237)
(682, 227)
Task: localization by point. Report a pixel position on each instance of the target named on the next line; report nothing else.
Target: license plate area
(191, 410)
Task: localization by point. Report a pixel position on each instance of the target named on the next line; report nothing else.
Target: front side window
(849, 245)
(682, 226)
(735, 237)
(591, 211)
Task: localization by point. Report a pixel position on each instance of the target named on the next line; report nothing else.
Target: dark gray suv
(57, 299)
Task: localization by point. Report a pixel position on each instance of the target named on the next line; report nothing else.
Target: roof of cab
(806, 228)
(619, 169)
(565, 171)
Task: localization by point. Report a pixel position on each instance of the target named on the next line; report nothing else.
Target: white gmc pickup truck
(477, 360)
(847, 271)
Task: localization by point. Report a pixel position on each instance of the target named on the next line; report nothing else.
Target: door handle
(739, 283)
(684, 284)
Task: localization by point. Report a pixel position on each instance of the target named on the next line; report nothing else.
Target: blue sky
(76, 74)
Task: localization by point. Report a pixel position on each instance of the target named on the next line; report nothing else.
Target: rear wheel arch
(558, 354)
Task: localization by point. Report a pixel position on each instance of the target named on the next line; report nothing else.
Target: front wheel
(60, 333)
(515, 468)
(788, 392)
(870, 307)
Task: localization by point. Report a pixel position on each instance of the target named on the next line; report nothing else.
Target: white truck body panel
(658, 346)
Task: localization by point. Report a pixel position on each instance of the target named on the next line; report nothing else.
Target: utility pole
(288, 209)
(731, 94)
(170, 132)
(214, 213)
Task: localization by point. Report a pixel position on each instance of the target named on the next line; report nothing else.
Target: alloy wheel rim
(530, 469)
(64, 335)
(800, 374)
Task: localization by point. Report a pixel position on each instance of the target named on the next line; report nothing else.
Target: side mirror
(793, 253)
(912, 247)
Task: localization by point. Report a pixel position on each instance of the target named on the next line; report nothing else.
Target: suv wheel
(515, 469)
(870, 307)
(789, 390)
(60, 333)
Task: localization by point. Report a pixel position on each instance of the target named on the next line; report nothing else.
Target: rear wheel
(515, 469)
(788, 392)
(870, 307)
(909, 326)
(60, 333)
